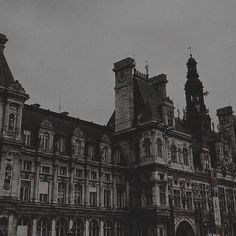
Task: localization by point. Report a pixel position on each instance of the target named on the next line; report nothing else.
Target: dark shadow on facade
(184, 229)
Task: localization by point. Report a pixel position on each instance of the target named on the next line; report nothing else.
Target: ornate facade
(146, 173)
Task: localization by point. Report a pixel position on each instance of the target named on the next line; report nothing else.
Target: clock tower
(196, 113)
(124, 94)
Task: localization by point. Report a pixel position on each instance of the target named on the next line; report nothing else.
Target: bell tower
(196, 113)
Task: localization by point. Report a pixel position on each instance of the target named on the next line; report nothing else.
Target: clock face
(121, 77)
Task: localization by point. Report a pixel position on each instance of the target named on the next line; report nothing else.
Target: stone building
(146, 173)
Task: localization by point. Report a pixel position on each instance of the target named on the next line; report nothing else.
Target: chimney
(3, 40)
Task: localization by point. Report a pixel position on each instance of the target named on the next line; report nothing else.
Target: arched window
(61, 227)
(79, 228)
(173, 153)
(93, 228)
(44, 227)
(108, 229)
(91, 152)
(120, 229)
(3, 226)
(185, 156)
(159, 148)
(146, 146)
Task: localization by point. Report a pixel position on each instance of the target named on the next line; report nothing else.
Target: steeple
(6, 77)
(196, 112)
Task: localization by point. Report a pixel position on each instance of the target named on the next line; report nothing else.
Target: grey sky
(72, 44)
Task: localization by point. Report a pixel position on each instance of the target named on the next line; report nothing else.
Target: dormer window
(45, 140)
(27, 138)
(91, 152)
(76, 147)
(62, 144)
(147, 147)
(117, 157)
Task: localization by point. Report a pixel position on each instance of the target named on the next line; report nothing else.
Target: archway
(185, 229)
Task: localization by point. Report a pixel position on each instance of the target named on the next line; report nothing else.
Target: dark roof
(181, 127)
(64, 125)
(6, 77)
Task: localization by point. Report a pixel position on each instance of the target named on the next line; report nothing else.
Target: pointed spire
(6, 77)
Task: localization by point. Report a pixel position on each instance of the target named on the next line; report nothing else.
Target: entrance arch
(185, 229)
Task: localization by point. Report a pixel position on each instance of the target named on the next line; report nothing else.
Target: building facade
(146, 173)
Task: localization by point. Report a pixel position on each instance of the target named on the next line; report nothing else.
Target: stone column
(70, 224)
(86, 189)
(155, 194)
(34, 229)
(36, 182)
(114, 192)
(53, 225)
(12, 225)
(6, 118)
(101, 231)
(115, 229)
(127, 194)
(54, 185)
(18, 122)
(101, 193)
(86, 227)
(71, 187)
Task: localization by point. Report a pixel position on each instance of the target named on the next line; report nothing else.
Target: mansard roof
(63, 125)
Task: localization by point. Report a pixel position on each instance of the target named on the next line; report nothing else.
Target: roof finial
(147, 68)
(60, 101)
(190, 51)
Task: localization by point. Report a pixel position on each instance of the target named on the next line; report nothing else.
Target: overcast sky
(71, 45)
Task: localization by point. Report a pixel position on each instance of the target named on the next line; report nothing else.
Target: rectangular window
(25, 190)
(162, 195)
(176, 198)
(221, 193)
(93, 199)
(107, 177)
(63, 171)
(189, 201)
(61, 196)
(45, 169)
(203, 196)
(120, 198)
(107, 198)
(45, 140)
(43, 191)
(93, 175)
(79, 173)
(78, 194)
(26, 138)
(230, 200)
(27, 165)
(62, 145)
